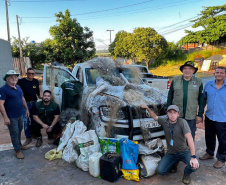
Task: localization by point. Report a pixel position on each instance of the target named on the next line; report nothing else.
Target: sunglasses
(31, 73)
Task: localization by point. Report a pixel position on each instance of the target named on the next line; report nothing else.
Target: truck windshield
(131, 75)
(112, 77)
(143, 69)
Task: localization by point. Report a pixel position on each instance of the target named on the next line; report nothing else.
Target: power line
(44, 1)
(123, 13)
(131, 11)
(114, 8)
(177, 23)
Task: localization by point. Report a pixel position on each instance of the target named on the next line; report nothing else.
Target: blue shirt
(216, 101)
(13, 100)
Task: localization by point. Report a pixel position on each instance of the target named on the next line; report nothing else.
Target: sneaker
(186, 179)
(24, 147)
(206, 156)
(218, 164)
(19, 155)
(27, 142)
(39, 141)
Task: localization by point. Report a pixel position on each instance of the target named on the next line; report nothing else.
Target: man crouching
(179, 141)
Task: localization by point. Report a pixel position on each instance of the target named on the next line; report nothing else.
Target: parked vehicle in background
(160, 82)
(111, 101)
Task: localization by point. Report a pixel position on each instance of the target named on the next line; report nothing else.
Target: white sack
(88, 143)
(69, 153)
(66, 136)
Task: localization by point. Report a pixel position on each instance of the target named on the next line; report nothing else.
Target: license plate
(151, 124)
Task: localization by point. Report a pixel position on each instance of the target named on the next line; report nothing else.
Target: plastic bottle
(94, 164)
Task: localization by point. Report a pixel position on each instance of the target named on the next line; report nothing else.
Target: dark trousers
(28, 121)
(169, 160)
(192, 125)
(36, 130)
(15, 128)
(213, 129)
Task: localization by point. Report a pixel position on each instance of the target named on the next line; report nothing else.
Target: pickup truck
(160, 82)
(111, 101)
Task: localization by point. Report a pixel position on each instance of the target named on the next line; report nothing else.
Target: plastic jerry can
(94, 164)
(110, 166)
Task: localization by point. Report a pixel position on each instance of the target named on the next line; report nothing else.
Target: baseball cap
(173, 107)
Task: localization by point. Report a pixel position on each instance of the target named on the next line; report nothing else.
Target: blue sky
(167, 17)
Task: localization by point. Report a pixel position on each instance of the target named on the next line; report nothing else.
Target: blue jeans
(15, 129)
(169, 160)
(28, 121)
(213, 129)
(192, 125)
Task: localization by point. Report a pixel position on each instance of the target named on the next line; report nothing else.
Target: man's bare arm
(153, 115)
(2, 110)
(39, 121)
(193, 162)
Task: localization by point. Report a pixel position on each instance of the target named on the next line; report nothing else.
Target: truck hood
(129, 94)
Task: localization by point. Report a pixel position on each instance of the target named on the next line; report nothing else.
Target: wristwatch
(193, 156)
(51, 127)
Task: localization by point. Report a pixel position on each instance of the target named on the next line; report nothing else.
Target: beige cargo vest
(192, 99)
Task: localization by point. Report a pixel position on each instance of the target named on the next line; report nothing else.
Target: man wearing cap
(186, 92)
(215, 117)
(179, 142)
(11, 107)
(30, 88)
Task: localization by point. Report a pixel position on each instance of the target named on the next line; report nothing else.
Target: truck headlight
(108, 113)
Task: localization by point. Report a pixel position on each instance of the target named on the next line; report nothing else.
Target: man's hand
(144, 106)
(198, 120)
(7, 121)
(49, 129)
(194, 163)
(27, 113)
(45, 126)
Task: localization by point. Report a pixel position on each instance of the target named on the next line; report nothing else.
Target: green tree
(212, 20)
(120, 45)
(32, 50)
(143, 44)
(16, 48)
(148, 44)
(72, 43)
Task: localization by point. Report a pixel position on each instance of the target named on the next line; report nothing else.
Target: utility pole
(110, 34)
(7, 19)
(22, 68)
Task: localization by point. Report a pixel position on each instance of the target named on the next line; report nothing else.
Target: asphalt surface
(36, 170)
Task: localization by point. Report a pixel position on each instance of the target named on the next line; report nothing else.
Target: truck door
(53, 78)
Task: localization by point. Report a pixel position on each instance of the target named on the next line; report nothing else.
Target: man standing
(179, 141)
(30, 87)
(186, 92)
(46, 115)
(11, 107)
(215, 117)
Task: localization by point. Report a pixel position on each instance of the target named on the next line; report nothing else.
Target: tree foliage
(213, 22)
(71, 42)
(32, 50)
(143, 44)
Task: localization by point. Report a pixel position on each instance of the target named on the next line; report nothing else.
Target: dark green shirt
(185, 91)
(71, 94)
